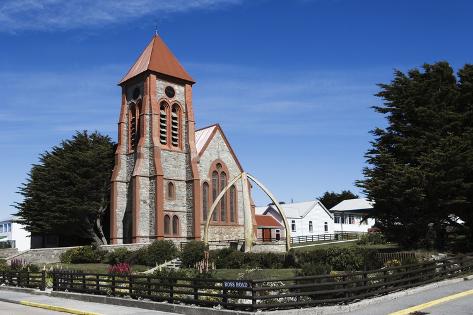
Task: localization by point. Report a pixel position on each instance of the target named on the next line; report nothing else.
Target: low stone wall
(7, 252)
(41, 256)
(273, 247)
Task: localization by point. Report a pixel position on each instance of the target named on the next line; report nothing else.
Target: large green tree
(420, 171)
(330, 198)
(67, 192)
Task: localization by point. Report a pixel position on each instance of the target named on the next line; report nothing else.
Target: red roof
(158, 58)
(267, 221)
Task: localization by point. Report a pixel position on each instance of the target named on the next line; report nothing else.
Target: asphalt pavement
(452, 299)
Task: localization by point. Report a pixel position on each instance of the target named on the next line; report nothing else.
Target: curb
(56, 308)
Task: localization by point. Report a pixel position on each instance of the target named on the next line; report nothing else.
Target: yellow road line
(432, 303)
(57, 308)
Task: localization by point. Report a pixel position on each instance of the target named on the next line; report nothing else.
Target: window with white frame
(351, 219)
(326, 226)
(293, 225)
(311, 228)
(336, 219)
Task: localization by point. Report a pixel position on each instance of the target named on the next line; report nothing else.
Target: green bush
(82, 255)
(308, 269)
(154, 254)
(119, 255)
(192, 253)
(3, 265)
(372, 239)
(338, 258)
(232, 259)
(409, 260)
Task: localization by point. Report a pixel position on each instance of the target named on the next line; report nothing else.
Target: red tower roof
(158, 58)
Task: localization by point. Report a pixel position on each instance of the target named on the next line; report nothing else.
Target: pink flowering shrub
(120, 269)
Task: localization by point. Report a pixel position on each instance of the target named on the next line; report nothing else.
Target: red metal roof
(267, 221)
(157, 57)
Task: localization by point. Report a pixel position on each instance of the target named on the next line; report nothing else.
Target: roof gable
(204, 136)
(158, 57)
(299, 210)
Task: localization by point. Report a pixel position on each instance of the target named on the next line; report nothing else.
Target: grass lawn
(234, 274)
(347, 245)
(93, 268)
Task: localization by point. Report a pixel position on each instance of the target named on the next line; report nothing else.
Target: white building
(304, 218)
(349, 215)
(15, 234)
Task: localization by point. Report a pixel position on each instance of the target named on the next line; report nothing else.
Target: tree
(420, 171)
(330, 199)
(67, 192)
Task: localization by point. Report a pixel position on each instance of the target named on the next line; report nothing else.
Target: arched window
(226, 209)
(171, 191)
(215, 191)
(205, 200)
(232, 203)
(175, 225)
(163, 125)
(132, 127)
(167, 225)
(311, 227)
(175, 128)
(223, 203)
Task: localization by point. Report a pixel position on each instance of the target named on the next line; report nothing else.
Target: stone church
(167, 173)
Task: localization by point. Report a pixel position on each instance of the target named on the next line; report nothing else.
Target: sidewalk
(70, 306)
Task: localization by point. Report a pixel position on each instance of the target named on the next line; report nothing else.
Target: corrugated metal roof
(353, 205)
(267, 221)
(159, 58)
(202, 136)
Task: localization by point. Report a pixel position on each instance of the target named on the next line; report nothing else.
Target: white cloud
(277, 102)
(50, 15)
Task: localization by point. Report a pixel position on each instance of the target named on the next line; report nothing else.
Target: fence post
(347, 294)
(196, 292)
(130, 285)
(113, 285)
(225, 297)
(148, 285)
(171, 291)
(43, 280)
(253, 296)
(84, 286)
(97, 283)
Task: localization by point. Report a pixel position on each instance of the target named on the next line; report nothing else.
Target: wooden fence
(24, 279)
(344, 236)
(254, 295)
(400, 256)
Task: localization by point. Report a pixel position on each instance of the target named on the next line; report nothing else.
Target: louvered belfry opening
(163, 127)
(175, 125)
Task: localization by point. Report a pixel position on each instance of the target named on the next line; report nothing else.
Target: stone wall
(7, 252)
(40, 256)
(274, 247)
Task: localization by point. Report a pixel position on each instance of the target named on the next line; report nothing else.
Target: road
(74, 305)
(16, 309)
(452, 299)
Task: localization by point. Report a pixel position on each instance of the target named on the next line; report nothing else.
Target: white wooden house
(304, 218)
(349, 214)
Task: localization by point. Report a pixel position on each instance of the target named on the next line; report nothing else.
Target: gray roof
(296, 210)
(353, 205)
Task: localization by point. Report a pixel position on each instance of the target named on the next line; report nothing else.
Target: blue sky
(290, 82)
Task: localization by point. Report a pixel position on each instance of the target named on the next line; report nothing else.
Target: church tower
(156, 157)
